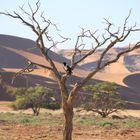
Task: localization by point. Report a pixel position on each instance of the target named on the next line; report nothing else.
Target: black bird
(67, 68)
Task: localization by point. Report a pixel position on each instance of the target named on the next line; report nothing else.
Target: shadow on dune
(19, 43)
(133, 81)
(28, 80)
(26, 45)
(11, 60)
(23, 81)
(132, 92)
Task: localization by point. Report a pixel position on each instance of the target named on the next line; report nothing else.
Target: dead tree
(108, 40)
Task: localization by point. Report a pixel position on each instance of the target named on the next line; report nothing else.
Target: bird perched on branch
(67, 68)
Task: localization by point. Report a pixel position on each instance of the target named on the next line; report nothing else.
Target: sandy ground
(9, 131)
(4, 107)
(25, 132)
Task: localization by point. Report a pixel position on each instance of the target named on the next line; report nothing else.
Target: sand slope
(15, 52)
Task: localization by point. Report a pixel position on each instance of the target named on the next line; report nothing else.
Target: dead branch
(116, 37)
(136, 46)
(79, 43)
(79, 85)
(17, 16)
(35, 26)
(29, 68)
(113, 37)
(95, 39)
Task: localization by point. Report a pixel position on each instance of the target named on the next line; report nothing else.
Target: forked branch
(108, 42)
(41, 30)
(29, 68)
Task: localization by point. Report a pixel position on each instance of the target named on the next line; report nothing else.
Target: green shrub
(34, 98)
(103, 99)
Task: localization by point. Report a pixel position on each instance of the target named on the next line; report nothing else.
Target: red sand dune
(15, 52)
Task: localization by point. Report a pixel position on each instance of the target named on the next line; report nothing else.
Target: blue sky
(70, 15)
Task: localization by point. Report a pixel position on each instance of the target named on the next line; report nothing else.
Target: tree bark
(35, 111)
(68, 124)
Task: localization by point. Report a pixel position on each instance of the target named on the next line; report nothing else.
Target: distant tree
(34, 98)
(46, 33)
(104, 99)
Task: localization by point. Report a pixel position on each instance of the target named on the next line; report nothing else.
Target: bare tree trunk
(35, 111)
(68, 124)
